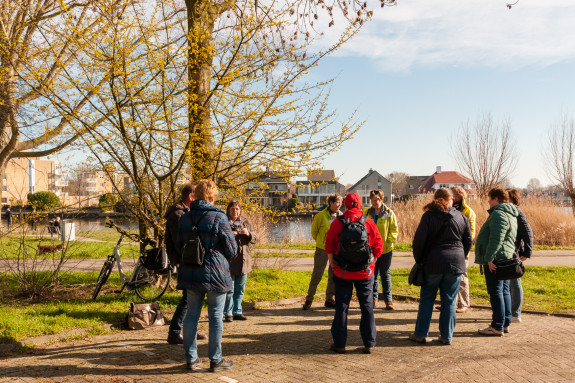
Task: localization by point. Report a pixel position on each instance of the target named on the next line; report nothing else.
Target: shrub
(44, 200)
(107, 201)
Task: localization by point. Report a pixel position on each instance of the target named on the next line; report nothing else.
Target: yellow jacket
(470, 214)
(320, 226)
(387, 226)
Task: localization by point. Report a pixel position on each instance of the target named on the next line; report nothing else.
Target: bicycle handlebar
(132, 236)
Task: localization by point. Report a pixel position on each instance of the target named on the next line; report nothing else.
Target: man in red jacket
(345, 280)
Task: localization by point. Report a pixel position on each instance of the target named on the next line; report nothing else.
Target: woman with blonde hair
(208, 278)
(441, 241)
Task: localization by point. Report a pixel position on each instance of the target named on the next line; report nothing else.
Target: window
(101, 184)
(101, 176)
(4, 188)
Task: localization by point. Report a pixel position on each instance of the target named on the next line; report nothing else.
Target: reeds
(552, 224)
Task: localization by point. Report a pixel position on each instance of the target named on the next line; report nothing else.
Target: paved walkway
(400, 261)
(286, 344)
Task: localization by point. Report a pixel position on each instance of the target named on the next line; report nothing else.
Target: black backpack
(354, 253)
(193, 252)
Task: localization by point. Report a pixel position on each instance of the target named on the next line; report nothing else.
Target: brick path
(286, 344)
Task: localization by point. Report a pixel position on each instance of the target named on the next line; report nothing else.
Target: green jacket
(320, 226)
(496, 239)
(470, 214)
(387, 226)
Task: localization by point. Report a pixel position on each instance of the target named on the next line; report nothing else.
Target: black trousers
(343, 293)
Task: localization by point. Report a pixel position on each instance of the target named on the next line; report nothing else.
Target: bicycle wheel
(102, 278)
(151, 284)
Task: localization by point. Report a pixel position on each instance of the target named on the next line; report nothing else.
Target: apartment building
(317, 187)
(25, 176)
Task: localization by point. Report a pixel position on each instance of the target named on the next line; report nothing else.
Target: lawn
(551, 289)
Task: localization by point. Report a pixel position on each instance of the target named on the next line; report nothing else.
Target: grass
(71, 307)
(551, 289)
(291, 246)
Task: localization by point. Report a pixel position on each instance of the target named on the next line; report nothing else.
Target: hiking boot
(490, 331)
(417, 339)
(339, 350)
(506, 330)
(367, 350)
(240, 317)
(444, 342)
(175, 339)
(223, 364)
(307, 305)
(228, 318)
(389, 306)
(193, 364)
(330, 304)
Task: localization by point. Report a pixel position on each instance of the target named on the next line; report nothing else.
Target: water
(285, 230)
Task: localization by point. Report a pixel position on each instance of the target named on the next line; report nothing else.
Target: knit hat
(351, 199)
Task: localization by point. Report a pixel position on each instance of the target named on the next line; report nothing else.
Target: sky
(419, 70)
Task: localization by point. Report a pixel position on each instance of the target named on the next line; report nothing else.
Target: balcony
(90, 180)
(91, 189)
(61, 183)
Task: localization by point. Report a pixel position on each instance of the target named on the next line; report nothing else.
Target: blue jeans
(343, 293)
(500, 299)
(448, 285)
(216, 301)
(234, 298)
(178, 318)
(516, 291)
(383, 268)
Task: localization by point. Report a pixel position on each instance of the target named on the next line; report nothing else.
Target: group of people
(222, 276)
(357, 247)
(442, 243)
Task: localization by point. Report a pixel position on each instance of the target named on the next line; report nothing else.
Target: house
(447, 179)
(414, 182)
(268, 191)
(372, 180)
(317, 187)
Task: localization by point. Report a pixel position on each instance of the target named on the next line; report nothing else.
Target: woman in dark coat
(241, 263)
(441, 242)
(211, 279)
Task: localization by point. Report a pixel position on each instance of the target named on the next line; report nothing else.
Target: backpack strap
(363, 219)
(215, 232)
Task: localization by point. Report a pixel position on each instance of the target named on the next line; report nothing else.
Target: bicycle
(148, 284)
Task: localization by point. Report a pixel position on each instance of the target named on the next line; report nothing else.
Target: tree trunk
(201, 18)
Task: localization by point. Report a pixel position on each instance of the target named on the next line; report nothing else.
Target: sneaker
(389, 306)
(462, 310)
(339, 350)
(490, 331)
(193, 364)
(223, 364)
(240, 317)
(330, 304)
(515, 319)
(444, 342)
(506, 330)
(417, 339)
(307, 305)
(228, 318)
(175, 339)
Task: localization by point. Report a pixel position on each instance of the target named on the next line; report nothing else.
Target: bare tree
(486, 151)
(398, 182)
(534, 186)
(560, 152)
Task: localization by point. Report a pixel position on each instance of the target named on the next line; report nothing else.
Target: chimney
(438, 169)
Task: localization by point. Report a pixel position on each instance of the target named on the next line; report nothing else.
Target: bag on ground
(354, 253)
(144, 315)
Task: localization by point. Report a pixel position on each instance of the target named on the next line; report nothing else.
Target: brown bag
(145, 315)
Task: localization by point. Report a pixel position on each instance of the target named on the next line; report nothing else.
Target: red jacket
(374, 238)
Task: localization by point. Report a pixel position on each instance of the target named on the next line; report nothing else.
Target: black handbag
(509, 268)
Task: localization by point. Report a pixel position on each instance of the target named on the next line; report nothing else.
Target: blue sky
(420, 69)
